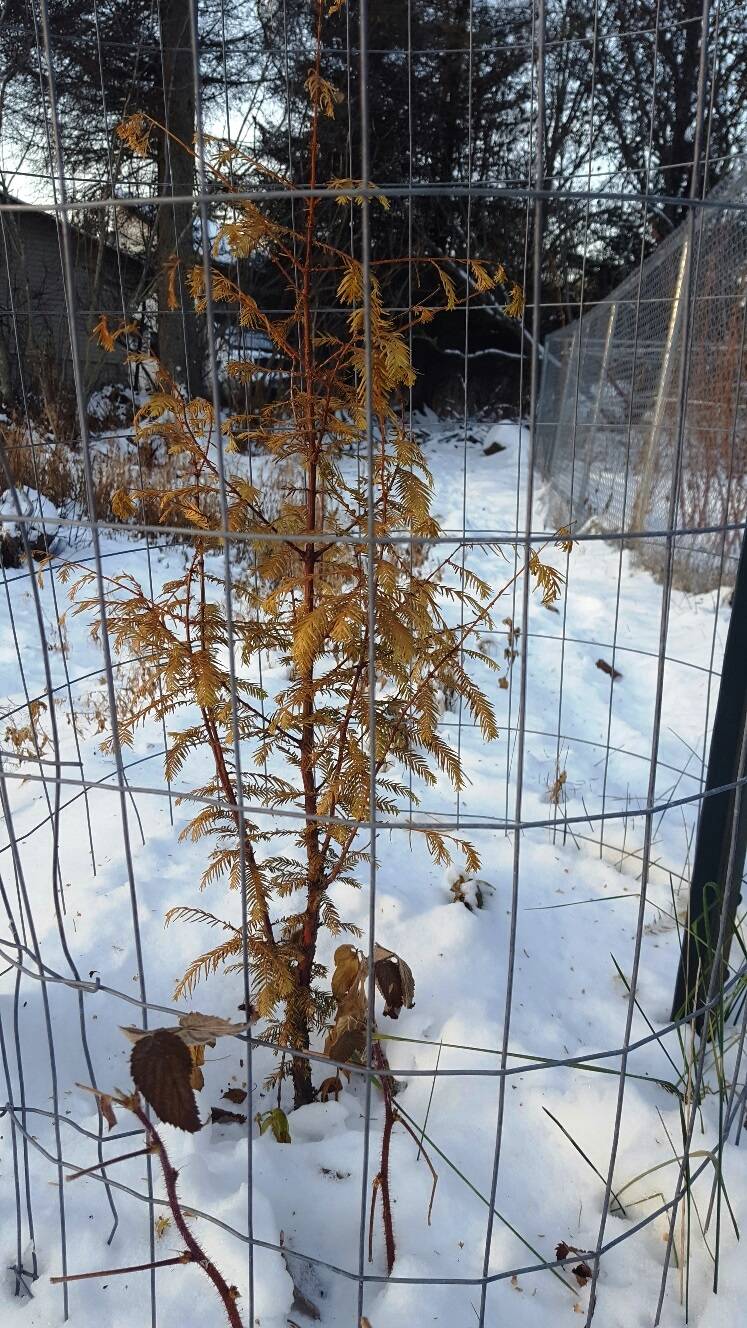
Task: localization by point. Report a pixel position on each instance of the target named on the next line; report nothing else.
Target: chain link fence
(651, 377)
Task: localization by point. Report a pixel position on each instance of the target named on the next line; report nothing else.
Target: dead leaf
(349, 964)
(346, 1039)
(134, 1034)
(194, 1029)
(162, 1225)
(237, 1095)
(161, 1068)
(608, 669)
(394, 980)
(197, 1078)
(562, 1250)
(219, 1116)
(582, 1273)
(330, 1087)
(107, 1110)
(197, 1029)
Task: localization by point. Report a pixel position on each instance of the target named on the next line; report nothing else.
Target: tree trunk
(6, 378)
(180, 332)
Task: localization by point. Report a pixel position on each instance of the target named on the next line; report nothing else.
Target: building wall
(35, 354)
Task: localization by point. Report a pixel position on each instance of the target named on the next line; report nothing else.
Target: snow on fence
(649, 384)
(257, 679)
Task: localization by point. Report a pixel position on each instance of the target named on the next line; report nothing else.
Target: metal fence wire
(539, 1074)
(609, 412)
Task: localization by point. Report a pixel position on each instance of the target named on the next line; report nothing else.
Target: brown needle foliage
(306, 748)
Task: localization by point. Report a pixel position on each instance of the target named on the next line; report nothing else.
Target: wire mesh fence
(284, 610)
(609, 414)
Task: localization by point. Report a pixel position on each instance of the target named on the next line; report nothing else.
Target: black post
(716, 829)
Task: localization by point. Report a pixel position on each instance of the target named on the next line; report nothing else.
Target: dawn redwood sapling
(306, 747)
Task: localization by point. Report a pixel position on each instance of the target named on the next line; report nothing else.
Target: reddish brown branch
(132, 1268)
(381, 1181)
(194, 1251)
(97, 1166)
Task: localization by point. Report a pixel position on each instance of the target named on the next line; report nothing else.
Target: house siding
(34, 319)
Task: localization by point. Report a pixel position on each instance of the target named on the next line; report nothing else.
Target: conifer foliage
(302, 600)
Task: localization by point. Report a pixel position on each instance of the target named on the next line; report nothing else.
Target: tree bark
(6, 378)
(180, 331)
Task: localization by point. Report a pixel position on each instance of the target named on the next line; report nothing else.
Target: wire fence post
(643, 497)
(716, 825)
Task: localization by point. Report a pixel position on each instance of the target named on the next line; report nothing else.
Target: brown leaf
(346, 1038)
(107, 1110)
(197, 1078)
(582, 1273)
(608, 669)
(219, 1116)
(194, 1029)
(346, 1042)
(330, 1087)
(161, 1068)
(394, 980)
(562, 1250)
(134, 1034)
(237, 1095)
(349, 970)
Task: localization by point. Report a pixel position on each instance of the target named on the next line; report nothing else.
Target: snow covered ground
(577, 909)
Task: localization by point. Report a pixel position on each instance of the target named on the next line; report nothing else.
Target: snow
(576, 909)
(30, 503)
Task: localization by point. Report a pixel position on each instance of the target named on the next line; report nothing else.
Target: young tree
(307, 749)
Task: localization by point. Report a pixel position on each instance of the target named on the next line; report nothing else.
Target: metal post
(716, 826)
(643, 497)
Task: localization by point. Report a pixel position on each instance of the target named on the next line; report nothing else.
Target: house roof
(86, 244)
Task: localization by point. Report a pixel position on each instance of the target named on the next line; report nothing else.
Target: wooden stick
(186, 1257)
